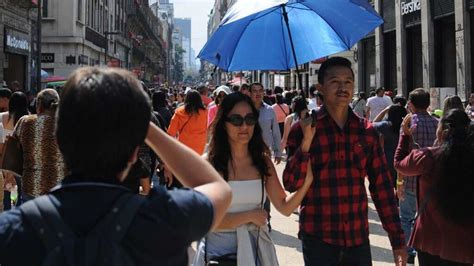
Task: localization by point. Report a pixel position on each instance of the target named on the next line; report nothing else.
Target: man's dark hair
(277, 90)
(5, 93)
(235, 88)
(400, 100)
(330, 63)
(103, 117)
(255, 84)
(419, 98)
(201, 89)
(379, 89)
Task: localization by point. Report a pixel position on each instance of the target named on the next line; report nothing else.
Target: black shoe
(411, 259)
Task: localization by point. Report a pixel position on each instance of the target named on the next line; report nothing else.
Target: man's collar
(323, 112)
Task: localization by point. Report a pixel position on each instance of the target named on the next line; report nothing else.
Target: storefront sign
(16, 42)
(47, 58)
(410, 7)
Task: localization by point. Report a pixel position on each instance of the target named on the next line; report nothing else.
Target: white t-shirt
(377, 104)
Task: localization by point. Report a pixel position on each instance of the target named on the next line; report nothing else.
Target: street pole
(38, 49)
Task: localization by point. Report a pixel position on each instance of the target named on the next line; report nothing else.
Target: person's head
(256, 93)
(400, 100)
(372, 93)
(395, 115)
(159, 100)
(471, 99)
(319, 98)
(289, 97)
(236, 124)
(16, 86)
(299, 106)
(235, 88)
(362, 95)
(279, 98)
(112, 103)
(47, 101)
(5, 95)
(203, 90)
(277, 90)
(336, 81)
(193, 102)
(452, 102)
(179, 96)
(418, 100)
(220, 93)
(18, 106)
(380, 91)
(453, 169)
(245, 89)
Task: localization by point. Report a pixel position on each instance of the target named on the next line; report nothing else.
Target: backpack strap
(115, 225)
(48, 225)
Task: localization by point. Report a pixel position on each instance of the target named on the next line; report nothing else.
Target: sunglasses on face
(238, 120)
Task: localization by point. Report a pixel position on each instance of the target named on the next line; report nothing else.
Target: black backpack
(100, 246)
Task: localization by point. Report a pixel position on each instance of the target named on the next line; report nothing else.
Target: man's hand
(168, 176)
(277, 159)
(406, 125)
(400, 257)
(308, 132)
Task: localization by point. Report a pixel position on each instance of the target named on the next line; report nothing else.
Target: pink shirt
(211, 113)
(281, 111)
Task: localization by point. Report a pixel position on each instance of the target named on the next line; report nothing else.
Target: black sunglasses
(238, 120)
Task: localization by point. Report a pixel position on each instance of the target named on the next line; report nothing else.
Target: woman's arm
(284, 203)
(286, 131)
(381, 115)
(191, 170)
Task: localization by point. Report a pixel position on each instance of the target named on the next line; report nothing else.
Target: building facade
(422, 44)
(16, 47)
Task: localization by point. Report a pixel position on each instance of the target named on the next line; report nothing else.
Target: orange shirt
(191, 130)
(206, 100)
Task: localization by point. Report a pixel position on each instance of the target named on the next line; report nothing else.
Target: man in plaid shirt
(343, 149)
(423, 127)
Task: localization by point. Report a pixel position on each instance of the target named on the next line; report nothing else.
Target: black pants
(426, 259)
(319, 253)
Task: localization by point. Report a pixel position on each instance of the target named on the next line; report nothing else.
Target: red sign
(113, 63)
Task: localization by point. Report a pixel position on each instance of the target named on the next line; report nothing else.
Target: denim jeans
(318, 253)
(407, 214)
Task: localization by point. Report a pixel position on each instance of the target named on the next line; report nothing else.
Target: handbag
(231, 259)
(12, 156)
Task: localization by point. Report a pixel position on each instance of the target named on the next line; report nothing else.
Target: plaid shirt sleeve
(295, 170)
(383, 195)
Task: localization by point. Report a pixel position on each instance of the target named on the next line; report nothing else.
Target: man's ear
(134, 157)
(319, 87)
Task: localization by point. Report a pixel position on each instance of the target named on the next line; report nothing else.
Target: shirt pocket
(360, 154)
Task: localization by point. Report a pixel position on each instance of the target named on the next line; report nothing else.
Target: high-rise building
(184, 26)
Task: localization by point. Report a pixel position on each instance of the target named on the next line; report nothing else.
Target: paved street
(289, 249)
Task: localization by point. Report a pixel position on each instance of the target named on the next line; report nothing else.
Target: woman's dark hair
(279, 99)
(400, 100)
(18, 106)
(103, 117)
(454, 174)
(299, 104)
(219, 148)
(278, 90)
(362, 95)
(452, 102)
(159, 100)
(289, 97)
(395, 115)
(193, 102)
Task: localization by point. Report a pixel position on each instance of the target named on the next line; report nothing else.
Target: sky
(198, 11)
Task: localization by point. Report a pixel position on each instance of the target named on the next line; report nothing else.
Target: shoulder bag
(12, 156)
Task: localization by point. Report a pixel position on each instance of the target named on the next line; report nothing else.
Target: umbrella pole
(285, 17)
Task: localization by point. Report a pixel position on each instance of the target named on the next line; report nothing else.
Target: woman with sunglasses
(237, 151)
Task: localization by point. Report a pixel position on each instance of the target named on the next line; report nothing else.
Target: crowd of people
(115, 173)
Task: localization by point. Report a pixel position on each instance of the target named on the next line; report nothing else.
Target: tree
(178, 64)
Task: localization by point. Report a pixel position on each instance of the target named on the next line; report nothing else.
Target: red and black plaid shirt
(335, 208)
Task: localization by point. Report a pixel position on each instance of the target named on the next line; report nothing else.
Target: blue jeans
(318, 253)
(407, 214)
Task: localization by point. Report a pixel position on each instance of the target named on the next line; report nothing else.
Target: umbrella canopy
(280, 34)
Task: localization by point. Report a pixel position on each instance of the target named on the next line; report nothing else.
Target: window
(45, 9)
(79, 10)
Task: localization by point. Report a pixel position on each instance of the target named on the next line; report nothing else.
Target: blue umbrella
(280, 34)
